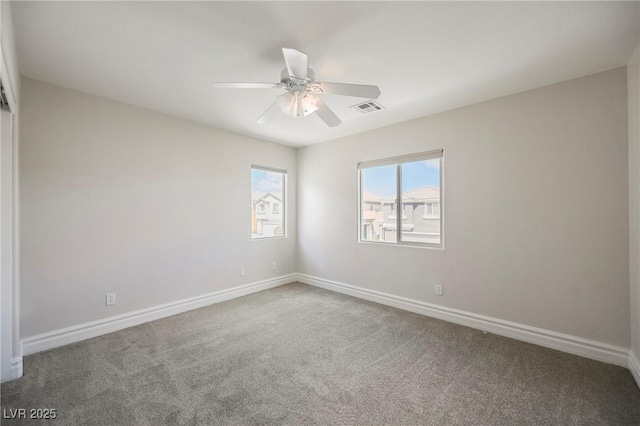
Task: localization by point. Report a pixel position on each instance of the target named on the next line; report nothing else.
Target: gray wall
(536, 225)
(633, 81)
(126, 200)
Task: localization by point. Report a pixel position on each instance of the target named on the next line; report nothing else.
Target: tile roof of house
(257, 196)
(370, 196)
(371, 215)
(424, 193)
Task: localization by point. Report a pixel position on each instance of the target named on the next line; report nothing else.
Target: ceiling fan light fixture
(309, 103)
(287, 103)
(298, 104)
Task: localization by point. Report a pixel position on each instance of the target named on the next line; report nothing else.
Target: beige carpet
(301, 355)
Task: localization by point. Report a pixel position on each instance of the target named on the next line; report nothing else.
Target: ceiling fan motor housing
(296, 85)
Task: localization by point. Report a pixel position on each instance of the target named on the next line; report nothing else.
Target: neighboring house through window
(268, 198)
(409, 184)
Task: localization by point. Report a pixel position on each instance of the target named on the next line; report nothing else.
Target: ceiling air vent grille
(368, 107)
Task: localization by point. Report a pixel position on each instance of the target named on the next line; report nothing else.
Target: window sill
(439, 247)
(269, 238)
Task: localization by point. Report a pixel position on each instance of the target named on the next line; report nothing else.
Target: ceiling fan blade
(245, 85)
(326, 115)
(268, 114)
(297, 63)
(345, 89)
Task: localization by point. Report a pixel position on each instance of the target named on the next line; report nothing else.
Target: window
(410, 184)
(431, 210)
(268, 198)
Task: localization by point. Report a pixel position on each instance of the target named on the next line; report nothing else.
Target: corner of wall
(296, 261)
(633, 99)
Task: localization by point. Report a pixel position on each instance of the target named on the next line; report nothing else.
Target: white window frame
(398, 162)
(283, 202)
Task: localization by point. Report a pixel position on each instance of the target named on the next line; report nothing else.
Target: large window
(268, 194)
(410, 185)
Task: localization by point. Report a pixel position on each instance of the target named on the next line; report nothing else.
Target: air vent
(368, 107)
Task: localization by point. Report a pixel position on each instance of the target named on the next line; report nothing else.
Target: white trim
(11, 356)
(604, 352)
(634, 366)
(15, 364)
(399, 160)
(268, 169)
(56, 338)
(15, 309)
(16, 368)
(14, 371)
(563, 342)
(405, 244)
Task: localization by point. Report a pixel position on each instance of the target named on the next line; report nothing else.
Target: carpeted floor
(301, 355)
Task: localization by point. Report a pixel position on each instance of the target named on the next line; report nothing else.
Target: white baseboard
(634, 366)
(563, 342)
(14, 370)
(56, 338)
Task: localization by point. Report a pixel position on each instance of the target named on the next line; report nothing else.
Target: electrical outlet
(111, 299)
(274, 266)
(438, 290)
(242, 271)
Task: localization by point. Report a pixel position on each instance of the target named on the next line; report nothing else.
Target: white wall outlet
(438, 289)
(111, 299)
(242, 271)
(274, 266)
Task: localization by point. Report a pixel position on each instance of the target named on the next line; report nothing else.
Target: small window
(268, 201)
(410, 185)
(431, 210)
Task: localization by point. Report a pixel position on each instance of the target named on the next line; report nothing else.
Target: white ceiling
(425, 57)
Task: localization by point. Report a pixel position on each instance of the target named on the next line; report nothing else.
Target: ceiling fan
(301, 98)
